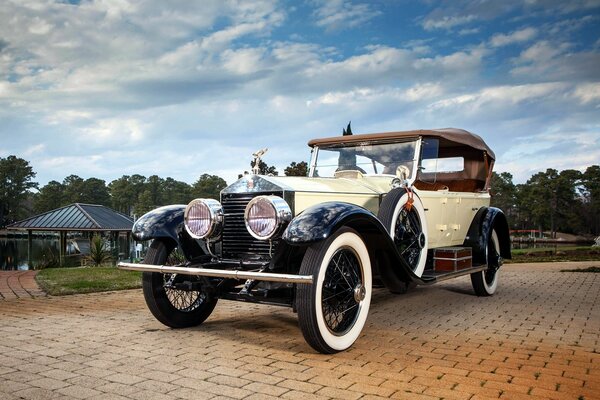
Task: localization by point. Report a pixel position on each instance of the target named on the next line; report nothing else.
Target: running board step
(217, 273)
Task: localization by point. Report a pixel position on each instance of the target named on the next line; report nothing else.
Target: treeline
(567, 201)
(129, 194)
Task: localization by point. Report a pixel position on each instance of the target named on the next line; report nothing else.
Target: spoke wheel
(485, 282)
(342, 284)
(174, 300)
(333, 310)
(407, 227)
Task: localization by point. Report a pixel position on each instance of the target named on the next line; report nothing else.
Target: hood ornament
(257, 155)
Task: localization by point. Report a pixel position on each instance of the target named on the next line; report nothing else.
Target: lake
(13, 249)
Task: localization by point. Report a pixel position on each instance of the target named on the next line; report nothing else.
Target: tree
(549, 199)
(591, 198)
(50, 197)
(296, 169)
(16, 181)
(151, 196)
(122, 194)
(264, 169)
(94, 191)
(504, 194)
(208, 187)
(176, 192)
(73, 185)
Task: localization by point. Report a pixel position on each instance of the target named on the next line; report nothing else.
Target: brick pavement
(538, 337)
(19, 284)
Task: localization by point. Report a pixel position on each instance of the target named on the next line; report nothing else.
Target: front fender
(166, 223)
(162, 222)
(318, 222)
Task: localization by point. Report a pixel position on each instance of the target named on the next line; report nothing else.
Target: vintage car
(391, 209)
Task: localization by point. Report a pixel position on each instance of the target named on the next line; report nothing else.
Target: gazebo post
(62, 247)
(129, 245)
(116, 235)
(29, 249)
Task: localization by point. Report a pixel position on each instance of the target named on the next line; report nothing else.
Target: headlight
(203, 218)
(266, 215)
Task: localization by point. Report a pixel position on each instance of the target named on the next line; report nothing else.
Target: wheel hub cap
(421, 240)
(359, 293)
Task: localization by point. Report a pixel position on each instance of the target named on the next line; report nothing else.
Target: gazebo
(76, 217)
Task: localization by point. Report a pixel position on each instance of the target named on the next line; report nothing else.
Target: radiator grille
(237, 242)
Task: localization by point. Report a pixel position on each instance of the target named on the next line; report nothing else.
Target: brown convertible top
(452, 135)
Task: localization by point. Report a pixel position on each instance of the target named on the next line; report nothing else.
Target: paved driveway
(537, 338)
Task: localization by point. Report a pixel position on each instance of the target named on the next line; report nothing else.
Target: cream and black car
(388, 209)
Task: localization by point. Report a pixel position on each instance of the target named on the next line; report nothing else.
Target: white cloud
(522, 35)
(588, 92)
(447, 22)
(557, 61)
(114, 130)
(560, 148)
(35, 149)
(501, 96)
(343, 14)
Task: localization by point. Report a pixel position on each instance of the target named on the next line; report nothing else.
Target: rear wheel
(175, 300)
(333, 310)
(485, 282)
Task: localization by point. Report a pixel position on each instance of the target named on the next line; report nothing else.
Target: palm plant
(98, 254)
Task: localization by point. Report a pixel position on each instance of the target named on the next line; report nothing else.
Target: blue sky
(116, 87)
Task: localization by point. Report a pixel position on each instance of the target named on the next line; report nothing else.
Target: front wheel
(333, 310)
(177, 301)
(485, 282)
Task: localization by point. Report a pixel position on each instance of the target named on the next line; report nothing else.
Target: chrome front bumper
(217, 273)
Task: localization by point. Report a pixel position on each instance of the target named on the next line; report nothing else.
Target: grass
(63, 281)
(551, 254)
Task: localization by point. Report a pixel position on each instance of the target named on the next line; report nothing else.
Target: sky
(106, 88)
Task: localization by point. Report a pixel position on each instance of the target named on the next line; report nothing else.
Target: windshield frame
(415, 158)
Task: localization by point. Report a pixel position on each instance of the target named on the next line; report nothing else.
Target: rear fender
(166, 223)
(486, 219)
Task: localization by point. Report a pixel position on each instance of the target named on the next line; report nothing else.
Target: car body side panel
(304, 200)
(449, 214)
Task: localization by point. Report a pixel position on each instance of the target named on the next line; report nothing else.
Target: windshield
(367, 158)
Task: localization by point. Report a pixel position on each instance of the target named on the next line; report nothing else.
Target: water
(13, 250)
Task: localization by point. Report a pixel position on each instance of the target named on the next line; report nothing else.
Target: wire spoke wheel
(333, 310)
(342, 277)
(407, 227)
(407, 236)
(184, 300)
(176, 300)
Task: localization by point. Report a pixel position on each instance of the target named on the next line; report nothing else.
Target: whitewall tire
(333, 310)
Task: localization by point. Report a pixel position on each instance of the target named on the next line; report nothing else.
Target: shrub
(98, 254)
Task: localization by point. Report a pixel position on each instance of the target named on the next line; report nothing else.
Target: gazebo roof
(77, 217)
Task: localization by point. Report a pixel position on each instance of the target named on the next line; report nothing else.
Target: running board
(438, 277)
(217, 273)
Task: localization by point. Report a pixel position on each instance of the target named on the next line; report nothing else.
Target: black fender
(167, 223)
(320, 221)
(486, 219)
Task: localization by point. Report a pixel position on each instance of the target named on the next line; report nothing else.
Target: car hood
(263, 183)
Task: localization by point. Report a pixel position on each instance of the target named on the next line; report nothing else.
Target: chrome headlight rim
(281, 212)
(215, 213)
